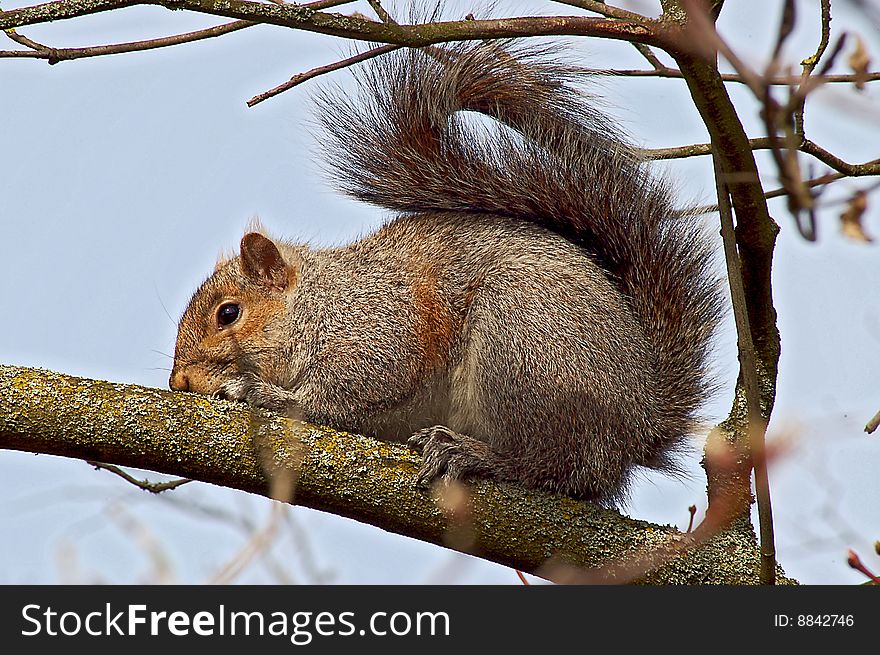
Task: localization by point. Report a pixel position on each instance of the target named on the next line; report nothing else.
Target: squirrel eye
(228, 313)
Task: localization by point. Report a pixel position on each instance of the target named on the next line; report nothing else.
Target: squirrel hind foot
(449, 456)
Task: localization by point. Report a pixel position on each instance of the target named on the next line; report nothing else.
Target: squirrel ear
(262, 262)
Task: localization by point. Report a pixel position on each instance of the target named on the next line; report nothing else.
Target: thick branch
(371, 481)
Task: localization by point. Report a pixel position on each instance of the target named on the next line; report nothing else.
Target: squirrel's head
(232, 323)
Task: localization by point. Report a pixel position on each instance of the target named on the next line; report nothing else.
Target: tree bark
(370, 481)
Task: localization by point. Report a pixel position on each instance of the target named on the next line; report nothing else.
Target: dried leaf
(859, 61)
(851, 218)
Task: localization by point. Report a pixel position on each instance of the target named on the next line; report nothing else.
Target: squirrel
(537, 311)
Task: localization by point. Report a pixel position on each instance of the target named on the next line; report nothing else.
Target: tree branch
(146, 485)
(757, 424)
(299, 78)
(370, 481)
(355, 27)
(55, 55)
(764, 143)
(749, 255)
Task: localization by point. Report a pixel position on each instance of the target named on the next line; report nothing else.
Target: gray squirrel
(537, 312)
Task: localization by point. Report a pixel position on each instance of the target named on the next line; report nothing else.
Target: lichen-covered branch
(354, 26)
(370, 481)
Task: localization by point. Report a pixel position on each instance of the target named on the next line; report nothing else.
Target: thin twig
(153, 548)
(809, 64)
(146, 485)
(702, 24)
(358, 27)
(55, 55)
(821, 180)
(649, 55)
(871, 167)
(383, 15)
(21, 39)
(786, 27)
(604, 9)
(853, 170)
(299, 78)
(779, 80)
(784, 149)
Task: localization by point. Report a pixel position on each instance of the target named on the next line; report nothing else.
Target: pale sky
(123, 177)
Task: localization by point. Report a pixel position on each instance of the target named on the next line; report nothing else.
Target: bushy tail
(554, 160)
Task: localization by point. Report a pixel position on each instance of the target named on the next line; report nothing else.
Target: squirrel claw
(447, 455)
(419, 441)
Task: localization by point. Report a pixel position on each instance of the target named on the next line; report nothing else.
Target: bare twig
(778, 80)
(819, 181)
(381, 12)
(764, 143)
(809, 64)
(786, 27)
(55, 55)
(244, 523)
(853, 170)
(726, 517)
(652, 59)
(603, 9)
(299, 78)
(784, 149)
(705, 28)
(23, 40)
(146, 485)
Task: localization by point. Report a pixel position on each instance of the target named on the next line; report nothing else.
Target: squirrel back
(555, 161)
(538, 312)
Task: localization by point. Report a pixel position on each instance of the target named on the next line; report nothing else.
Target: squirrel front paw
(448, 455)
(256, 392)
(238, 388)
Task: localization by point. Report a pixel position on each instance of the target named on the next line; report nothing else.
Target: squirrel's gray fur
(537, 313)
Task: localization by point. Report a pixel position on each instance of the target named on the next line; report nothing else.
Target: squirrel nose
(178, 381)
